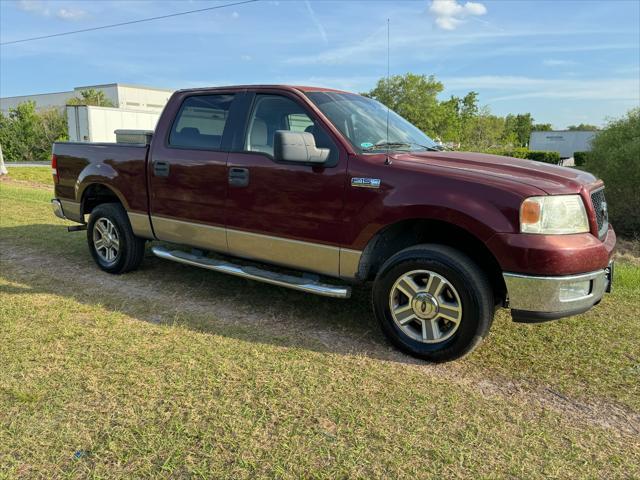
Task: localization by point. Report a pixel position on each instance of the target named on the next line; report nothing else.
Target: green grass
(177, 372)
(33, 175)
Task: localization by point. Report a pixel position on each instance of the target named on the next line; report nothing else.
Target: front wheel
(111, 241)
(433, 302)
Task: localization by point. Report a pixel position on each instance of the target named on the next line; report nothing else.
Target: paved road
(11, 165)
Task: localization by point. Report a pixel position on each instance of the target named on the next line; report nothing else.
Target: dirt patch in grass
(32, 177)
(175, 371)
(137, 292)
(9, 180)
(628, 251)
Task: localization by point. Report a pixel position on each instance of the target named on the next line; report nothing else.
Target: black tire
(473, 289)
(130, 249)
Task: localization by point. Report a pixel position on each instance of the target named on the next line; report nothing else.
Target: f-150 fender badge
(365, 182)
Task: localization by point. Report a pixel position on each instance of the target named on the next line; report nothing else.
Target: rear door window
(201, 121)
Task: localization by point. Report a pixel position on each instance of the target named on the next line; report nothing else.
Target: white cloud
(316, 22)
(235, 15)
(450, 14)
(552, 62)
(38, 7)
(34, 6)
(509, 87)
(71, 14)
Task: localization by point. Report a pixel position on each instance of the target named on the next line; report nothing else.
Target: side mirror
(299, 147)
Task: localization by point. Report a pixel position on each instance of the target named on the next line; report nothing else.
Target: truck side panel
(119, 168)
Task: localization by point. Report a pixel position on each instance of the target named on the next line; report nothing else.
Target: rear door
(285, 213)
(188, 170)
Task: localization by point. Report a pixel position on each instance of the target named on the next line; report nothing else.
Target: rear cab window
(201, 122)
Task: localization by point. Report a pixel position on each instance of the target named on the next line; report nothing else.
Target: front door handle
(161, 169)
(238, 177)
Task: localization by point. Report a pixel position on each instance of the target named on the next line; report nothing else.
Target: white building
(122, 95)
(135, 107)
(565, 142)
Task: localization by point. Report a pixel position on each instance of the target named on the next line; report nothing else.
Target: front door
(285, 213)
(188, 172)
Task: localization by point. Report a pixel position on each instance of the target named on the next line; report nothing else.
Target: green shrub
(546, 157)
(580, 158)
(520, 152)
(615, 157)
(26, 134)
(539, 156)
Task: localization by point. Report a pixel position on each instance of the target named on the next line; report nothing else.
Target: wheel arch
(94, 194)
(407, 233)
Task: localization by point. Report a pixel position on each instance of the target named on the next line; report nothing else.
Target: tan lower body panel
(305, 256)
(140, 224)
(313, 257)
(188, 233)
(71, 210)
(349, 263)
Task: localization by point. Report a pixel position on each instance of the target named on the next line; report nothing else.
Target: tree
(26, 135)
(584, 127)
(542, 127)
(91, 96)
(459, 120)
(615, 157)
(413, 97)
(483, 131)
(518, 128)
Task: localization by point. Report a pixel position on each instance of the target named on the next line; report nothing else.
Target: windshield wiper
(387, 145)
(391, 145)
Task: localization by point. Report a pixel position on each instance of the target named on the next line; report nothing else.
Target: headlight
(554, 214)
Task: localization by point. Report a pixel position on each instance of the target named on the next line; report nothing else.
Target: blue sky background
(566, 62)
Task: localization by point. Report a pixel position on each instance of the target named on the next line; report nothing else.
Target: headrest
(191, 131)
(259, 134)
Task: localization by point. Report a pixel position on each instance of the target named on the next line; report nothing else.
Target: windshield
(364, 122)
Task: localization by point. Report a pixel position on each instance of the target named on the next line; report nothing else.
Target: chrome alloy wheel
(105, 240)
(425, 306)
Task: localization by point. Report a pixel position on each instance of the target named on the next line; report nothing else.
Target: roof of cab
(300, 88)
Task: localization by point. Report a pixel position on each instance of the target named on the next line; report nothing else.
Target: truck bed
(121, 167)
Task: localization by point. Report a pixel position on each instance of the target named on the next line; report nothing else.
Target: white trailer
(98, 124)
(565, 142)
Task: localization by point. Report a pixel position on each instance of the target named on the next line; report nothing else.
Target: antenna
(388, 160)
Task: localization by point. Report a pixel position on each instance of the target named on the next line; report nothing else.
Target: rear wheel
(111, 241)
(433, 302)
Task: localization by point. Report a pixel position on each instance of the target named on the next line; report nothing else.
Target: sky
(565, 62)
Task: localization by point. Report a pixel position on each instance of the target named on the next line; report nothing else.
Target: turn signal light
(530, 212)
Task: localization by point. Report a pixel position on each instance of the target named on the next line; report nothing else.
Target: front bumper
(542, 298)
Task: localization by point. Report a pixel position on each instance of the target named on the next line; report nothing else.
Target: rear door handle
(238, 177)
(161, 169)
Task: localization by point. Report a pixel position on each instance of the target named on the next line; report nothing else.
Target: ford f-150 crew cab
(294, 186)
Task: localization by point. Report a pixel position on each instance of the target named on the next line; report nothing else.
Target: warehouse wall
(97, 124)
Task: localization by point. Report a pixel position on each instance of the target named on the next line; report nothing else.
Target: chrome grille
(602, 213)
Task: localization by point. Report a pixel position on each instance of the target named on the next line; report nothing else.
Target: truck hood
(551, 179)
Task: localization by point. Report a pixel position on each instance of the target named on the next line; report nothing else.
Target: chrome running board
(254, 273)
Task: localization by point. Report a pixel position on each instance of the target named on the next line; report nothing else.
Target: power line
(131, 22)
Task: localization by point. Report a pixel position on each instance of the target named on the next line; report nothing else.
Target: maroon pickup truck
(296, 185)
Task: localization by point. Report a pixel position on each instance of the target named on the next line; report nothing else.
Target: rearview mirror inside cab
(298, 147)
